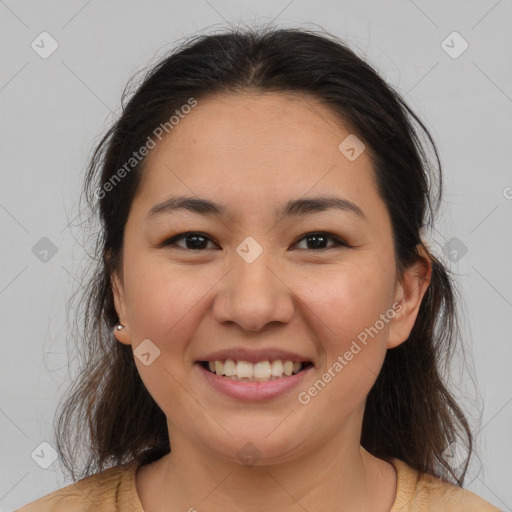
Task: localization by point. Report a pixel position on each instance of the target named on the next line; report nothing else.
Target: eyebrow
(294, 208)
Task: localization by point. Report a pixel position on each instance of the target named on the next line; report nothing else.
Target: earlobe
(409, 294)
(121, 334)
(121, 329)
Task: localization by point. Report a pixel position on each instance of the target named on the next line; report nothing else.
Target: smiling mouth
(262, 371)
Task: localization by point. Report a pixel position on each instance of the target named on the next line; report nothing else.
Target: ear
(409, 293)
(122, 335)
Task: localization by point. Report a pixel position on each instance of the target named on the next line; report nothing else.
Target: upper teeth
(260, 370)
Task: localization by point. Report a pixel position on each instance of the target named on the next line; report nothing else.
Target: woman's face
(252, 286)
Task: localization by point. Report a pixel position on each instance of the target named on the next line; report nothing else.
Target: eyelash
(338, 241)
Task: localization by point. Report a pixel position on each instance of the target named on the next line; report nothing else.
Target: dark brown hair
(410, 414)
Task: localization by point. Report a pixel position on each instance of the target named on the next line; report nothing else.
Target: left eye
(197, 241)
(318, 240)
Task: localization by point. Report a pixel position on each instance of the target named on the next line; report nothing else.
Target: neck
(338, 476)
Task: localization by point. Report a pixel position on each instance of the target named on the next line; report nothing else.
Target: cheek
(162, 300)
(349, 298)
(166, 305)
(349, 305)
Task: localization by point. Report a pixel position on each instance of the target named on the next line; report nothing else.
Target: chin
(258, 448)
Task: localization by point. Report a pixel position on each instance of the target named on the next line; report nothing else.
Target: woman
(266, 325)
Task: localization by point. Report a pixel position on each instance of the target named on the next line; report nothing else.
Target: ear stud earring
(119, 327)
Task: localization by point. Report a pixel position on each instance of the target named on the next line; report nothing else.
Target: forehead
(232, 126)
(257, 148)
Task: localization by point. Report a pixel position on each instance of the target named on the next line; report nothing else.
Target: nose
(253, 295)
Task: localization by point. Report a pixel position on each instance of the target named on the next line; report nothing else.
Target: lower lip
(253, 391)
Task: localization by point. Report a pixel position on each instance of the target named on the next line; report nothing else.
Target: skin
(253, 153)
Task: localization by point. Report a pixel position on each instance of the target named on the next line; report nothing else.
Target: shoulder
(418, 492)
(102, 492)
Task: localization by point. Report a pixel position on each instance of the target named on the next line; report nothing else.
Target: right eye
(194, 241)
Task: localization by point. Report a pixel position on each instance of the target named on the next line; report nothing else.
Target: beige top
(114, 490)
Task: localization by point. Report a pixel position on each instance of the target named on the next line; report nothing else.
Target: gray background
(53, 110)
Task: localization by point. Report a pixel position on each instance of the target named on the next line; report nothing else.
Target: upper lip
(253, 356)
